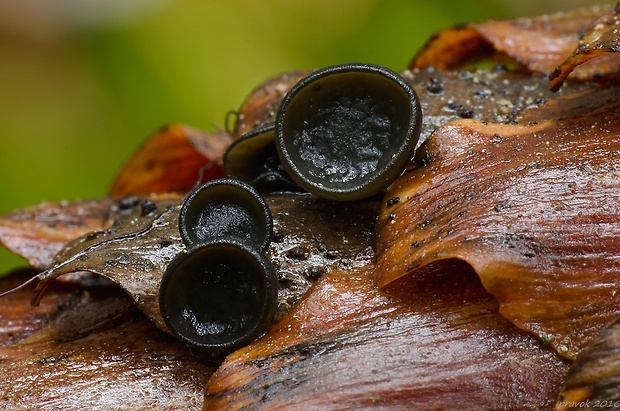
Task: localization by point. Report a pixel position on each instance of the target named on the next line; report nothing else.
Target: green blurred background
(84, 82)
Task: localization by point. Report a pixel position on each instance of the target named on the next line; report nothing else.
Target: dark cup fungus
(223, 209)
(253, 158)
(346, 132)
(219, 296)
(221, 293)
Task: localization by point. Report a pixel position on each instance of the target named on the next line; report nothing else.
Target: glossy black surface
(219, 296)
(226, 208)
(346, 132)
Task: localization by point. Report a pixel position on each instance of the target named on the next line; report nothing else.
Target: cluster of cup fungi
(221, 293)
(343, 133)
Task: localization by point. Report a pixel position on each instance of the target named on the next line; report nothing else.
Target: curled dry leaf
(593, 379)
(534, 208)
(537, 44)
(90, 348)
(39, 233)
(601, 40)
(171, 160)
(424, 343)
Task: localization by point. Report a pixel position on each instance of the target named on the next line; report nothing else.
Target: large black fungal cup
(226, 208)
(219, 296)
(346, 132)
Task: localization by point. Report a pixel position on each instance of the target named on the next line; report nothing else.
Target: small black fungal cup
(226, 208)
(346, 132)
(221, 292)
(253, 158)
(219, 296)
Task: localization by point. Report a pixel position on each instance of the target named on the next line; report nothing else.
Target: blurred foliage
(83, 83)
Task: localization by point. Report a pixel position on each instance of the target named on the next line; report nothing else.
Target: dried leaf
(601, 40)
(537, 44)
(171, 160)
(452, 48)
(432, 343)
(133, 253)
(533, 207)
(89, 348)
(593, 380)
(37, 233)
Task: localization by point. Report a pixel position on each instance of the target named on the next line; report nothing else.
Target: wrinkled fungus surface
(225, 209)
(346, 137)
(223, 219)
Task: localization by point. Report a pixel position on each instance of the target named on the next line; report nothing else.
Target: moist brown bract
(533, 207)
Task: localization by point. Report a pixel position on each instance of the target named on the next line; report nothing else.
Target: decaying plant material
(417, 344)
(532, 207)
(485, 278)
(91, 348)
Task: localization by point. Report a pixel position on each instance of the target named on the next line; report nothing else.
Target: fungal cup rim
(243, 139)
(267, 280)
(265, 223)
(372, 183)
